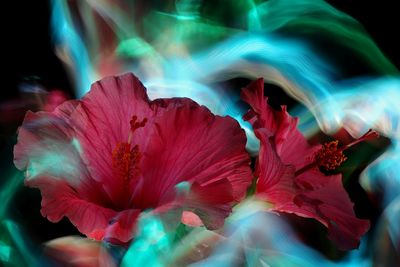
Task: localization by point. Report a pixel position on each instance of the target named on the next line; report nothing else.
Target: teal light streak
(151, 245)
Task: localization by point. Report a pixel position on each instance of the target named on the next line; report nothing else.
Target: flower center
(330, 156)
(125, 160)
(125, 156)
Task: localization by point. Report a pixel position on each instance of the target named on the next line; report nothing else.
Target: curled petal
(287, 140)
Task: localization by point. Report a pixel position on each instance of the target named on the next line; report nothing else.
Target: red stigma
(137, 124)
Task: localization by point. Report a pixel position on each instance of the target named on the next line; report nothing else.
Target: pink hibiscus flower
(288, 171)
(102, 160)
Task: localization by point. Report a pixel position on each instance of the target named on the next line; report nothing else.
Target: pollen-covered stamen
(330, 156)
(125, 156)
(125, 161)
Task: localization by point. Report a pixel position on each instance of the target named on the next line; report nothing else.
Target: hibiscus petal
(288, 141)
(261, 115)
(51, 155)
(325, 200)
(122, 226)
(275, 183)
(211, 202)
(191, 219)
(78, 251)
(46, 147)
(336, 208)
(344, 228)
(103, 119)
(189, 143)
(59, 199)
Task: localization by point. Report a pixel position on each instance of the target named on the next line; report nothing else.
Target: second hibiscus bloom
(288, 171)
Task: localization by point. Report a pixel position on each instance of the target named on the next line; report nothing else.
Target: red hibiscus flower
(288, 171)
(102, 160)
